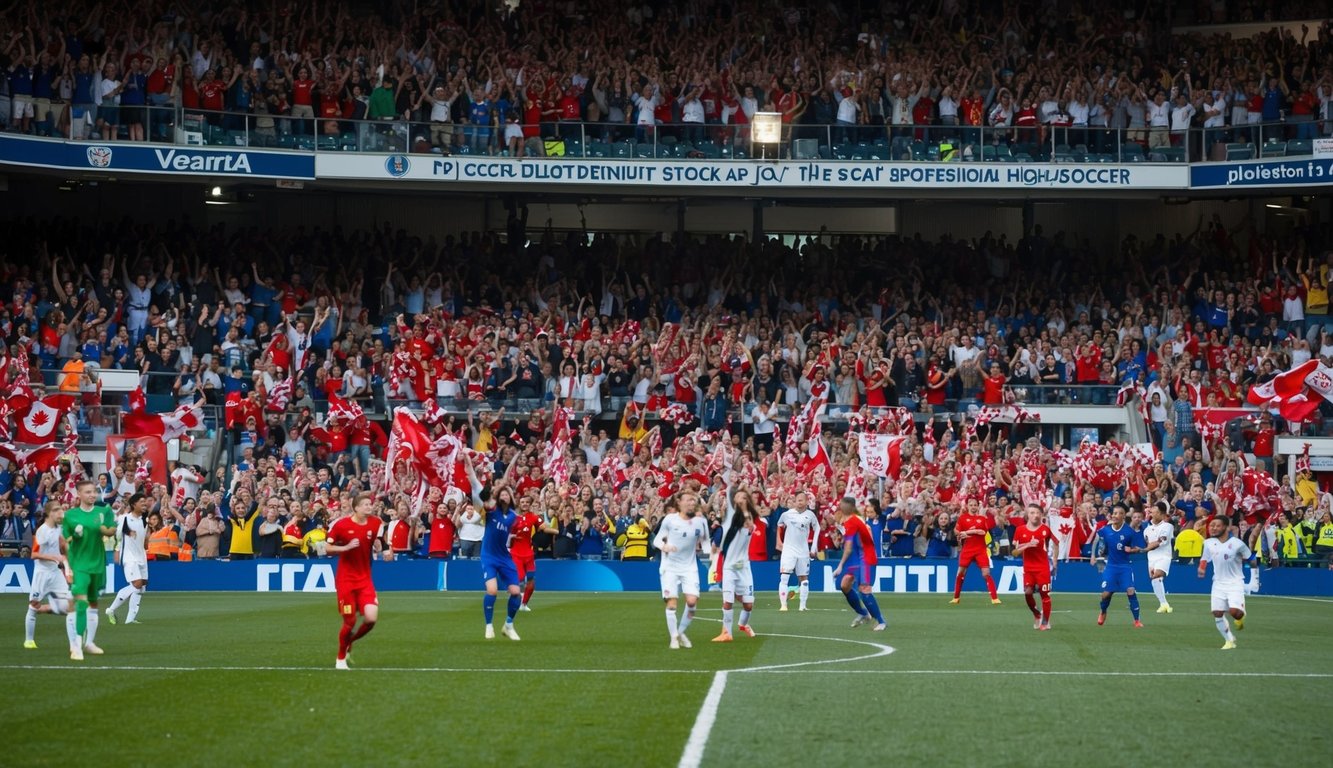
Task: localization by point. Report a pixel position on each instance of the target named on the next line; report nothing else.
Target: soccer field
(248, 679)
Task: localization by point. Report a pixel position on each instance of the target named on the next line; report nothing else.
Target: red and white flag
(881, 455)
(408, 444)
(1296, 393)
(168, 426)
(346, 411)
(138, 401)
(280, 395)
(37, 426)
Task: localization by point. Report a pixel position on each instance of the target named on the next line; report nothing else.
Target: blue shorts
(859, 571)
(504, 573)
(1117, 578)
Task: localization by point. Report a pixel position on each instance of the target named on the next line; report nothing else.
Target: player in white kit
(680, 536)
(733, 563)
(50, 576)
(1227, 554)
(1159, 536)
(797, 528)
(132, 555)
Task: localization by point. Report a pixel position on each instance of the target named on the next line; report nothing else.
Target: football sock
(121, 597)
(958, 586)
(488, 607)
(1046, 608)
(1106, 603)
(687, 618)
(72, 629)
(990, 586)
(512, 609)
(745, 617)
(81, 616)
(854, 600)
(726, 621)
(528, 590)
(1134, 605)
(30, 624)
(1032, 602)
(362, 630)
(1224, 628)
(782, 588)
(873, 605)
(92, 626)
(345, 634)
(135, 599)
(671, 622)
(1159, 589)
(805, 592)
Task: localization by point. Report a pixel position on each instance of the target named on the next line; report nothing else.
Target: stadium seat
(1275, 149)
(622, 149)
(988, 152)
(644, 150)
(1238, 151)
(842, 152)
(599, 149)
(827, 154)
(805, 149)
(573, 148)
(1299, 147)
(1022, 157)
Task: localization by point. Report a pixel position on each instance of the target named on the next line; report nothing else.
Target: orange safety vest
(163, 542)
(186, 554)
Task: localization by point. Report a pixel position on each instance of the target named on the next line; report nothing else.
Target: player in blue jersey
(1118, 540)
(497, 564)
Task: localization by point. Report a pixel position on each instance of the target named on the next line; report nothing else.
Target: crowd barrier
(892, 576)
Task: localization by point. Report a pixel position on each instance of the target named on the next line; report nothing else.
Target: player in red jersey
(859, 559)
(1037, 544)
(353, 540)
(526, 524)
(971, 530)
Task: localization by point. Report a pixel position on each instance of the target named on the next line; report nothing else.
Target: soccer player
(1226, 552)
(527, 523)
(497, 559)
(132, 557)
(971, 530)
(681, 534)
(354, 539)
(1159, 536)
(859, 559)
(797, 527)
(84, 529)
(1036, 543)
(733, 563)
(49, 582)
(1120, 541)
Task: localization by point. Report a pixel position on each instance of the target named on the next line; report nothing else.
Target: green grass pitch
(248, 679)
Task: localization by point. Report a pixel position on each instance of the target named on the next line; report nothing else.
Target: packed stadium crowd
(589, 378)
(502, 78)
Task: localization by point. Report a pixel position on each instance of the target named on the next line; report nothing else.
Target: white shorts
(135, 570)
(1163, 565)
(737, 584)
(48, 583)
(677, 582)
(22, 107)
(1228, 597)
(513, 131)
(794, 564)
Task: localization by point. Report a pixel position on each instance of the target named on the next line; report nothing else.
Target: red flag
(166, 426)
(1294, 392)
(139, 402)
(37, 426)
(346, 411)
(408, 443)
(40, 459)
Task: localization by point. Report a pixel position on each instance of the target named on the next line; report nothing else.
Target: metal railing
(933, 142)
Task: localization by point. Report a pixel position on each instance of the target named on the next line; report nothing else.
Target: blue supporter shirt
(480, 114)
(20, 81)
(1114, 543)
(495, 541)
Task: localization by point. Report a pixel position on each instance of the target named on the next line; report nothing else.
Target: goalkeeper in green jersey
(83, 529)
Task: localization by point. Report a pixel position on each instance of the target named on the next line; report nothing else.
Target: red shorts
(981, 558)
(352, 600)
(1037, 579)
(526, 565)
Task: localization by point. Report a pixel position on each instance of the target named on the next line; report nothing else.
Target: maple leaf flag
(37, 426)
(281, 395)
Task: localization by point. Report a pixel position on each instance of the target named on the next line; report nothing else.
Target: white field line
(703, 723)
